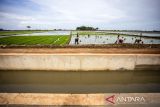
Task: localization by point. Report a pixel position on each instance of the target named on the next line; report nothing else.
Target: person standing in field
(77, 39)
(117, 41)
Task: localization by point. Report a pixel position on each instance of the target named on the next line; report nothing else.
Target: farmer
(77, 39)
(119, 41)
(139, 41)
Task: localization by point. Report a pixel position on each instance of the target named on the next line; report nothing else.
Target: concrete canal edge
(75, 61)
(79, 99)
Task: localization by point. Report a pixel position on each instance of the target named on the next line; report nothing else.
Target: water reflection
(111, 39)
(79, 82)
(47, 33)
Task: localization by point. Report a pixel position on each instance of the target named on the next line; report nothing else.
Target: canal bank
(87, 100)
(76, 62)
(36, 77)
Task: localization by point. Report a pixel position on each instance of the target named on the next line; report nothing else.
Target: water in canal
(80, 81)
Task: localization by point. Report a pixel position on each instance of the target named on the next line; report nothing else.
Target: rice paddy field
(108, 37)
(129, 33)
(68, 37)
(35, 40)
(111, 39)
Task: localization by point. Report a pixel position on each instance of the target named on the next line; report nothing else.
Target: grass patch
(103, 33)
(89, 33)
(93, 46)
(96, 33)
(34, 40)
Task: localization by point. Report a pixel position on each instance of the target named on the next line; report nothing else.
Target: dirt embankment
(101, 49)
(80, 50)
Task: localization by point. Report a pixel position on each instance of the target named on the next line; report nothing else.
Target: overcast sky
(68, 14)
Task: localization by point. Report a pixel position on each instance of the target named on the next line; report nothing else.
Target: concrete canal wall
(22, 99)
(76, 61)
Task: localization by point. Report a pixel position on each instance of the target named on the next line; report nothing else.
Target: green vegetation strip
(89, 33)
(92, 46)
(97, 33)
(103, 33)
(34, 40)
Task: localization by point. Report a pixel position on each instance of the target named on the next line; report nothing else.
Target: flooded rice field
(49, 33)
(139, 33)
(111, 39)
(79, 82)
(101, 37)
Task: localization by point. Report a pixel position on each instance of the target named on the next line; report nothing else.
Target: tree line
(86, 28)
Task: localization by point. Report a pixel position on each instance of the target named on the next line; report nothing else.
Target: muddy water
(139, 33)
(111, 39)
(79, 82)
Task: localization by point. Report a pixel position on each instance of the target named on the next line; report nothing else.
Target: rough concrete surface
(76, 61)
(79, 99)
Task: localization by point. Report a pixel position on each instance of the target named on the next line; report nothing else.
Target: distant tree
(86, 28)
(97, 28)
(1, 29)
(28, 27)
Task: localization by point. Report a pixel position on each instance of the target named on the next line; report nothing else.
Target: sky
(69, 14)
